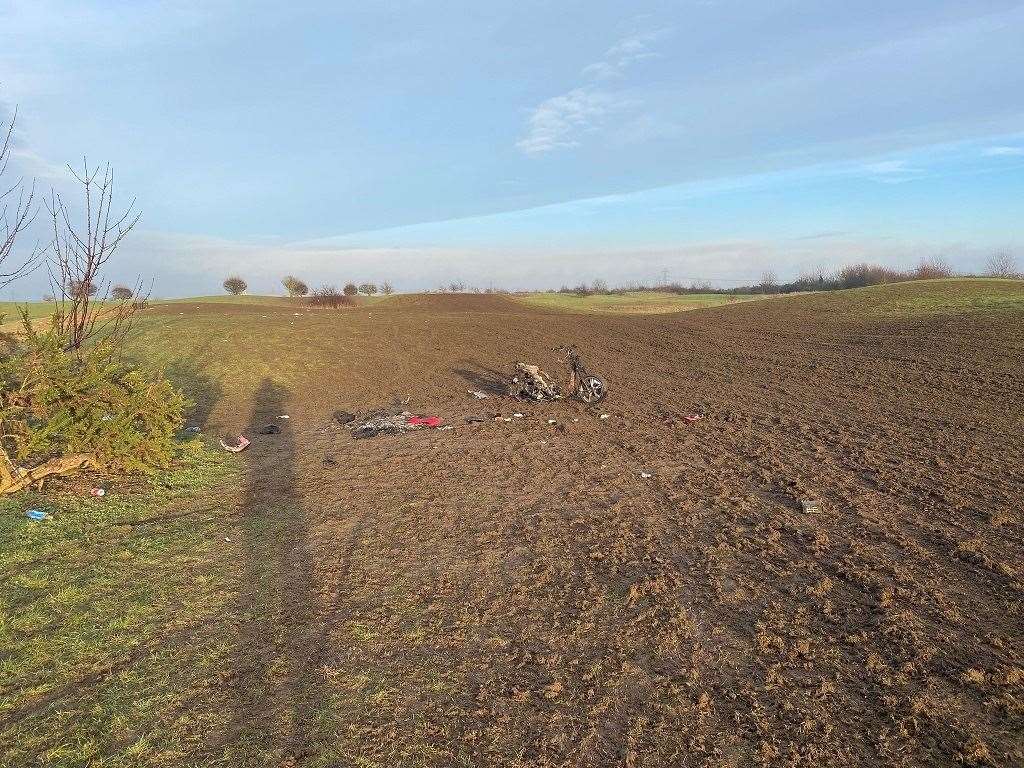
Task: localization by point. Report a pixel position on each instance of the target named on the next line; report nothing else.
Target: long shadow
(276, 696)
(481, 377)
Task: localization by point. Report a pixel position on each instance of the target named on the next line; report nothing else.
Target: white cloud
(625, 53)
(1003, 152)
(558, 122)
(891, 171)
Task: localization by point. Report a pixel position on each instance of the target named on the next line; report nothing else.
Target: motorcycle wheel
(591, 390)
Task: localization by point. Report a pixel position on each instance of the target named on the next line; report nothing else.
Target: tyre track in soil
(517, 594)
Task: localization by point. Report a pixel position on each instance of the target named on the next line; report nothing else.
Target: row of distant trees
(1001, 264)
(298, 288)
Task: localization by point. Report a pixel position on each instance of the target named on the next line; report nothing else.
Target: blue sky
(530, 143)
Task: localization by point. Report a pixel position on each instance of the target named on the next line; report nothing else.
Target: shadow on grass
(276, 695)
(197, 385)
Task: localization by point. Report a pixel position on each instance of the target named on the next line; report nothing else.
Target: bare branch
(84, 306)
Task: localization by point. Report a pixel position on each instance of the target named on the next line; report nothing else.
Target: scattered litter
(575, 420)
(389, 421)
(445, 427)
(478, 394)
(424, 421)
(475, 419)
(243, 443)
(227, 539)
(270, 429)
(552, 421)
(646, 475)
(810, 505)
(284, 416)
(97, 491)
(297, 314)
(36, 514)
(518, 415)
(604, 415)
(193, 430)
(504, 418)
(692, 417)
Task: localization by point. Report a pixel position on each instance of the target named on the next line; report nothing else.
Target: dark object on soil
(394, 420)
(344, 417)
(330, 461)
(475, 419)
(270, 429)
(531, 383)
(584, 385)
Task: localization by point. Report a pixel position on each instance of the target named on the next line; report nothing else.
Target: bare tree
(387, 289)
(1001, 264)
(18, 209)
(294, 286)
(350, 289)
(235, 285)
(79, 253)
(368, 289)
(769, 282)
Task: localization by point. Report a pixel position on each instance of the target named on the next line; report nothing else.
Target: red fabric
(425, 421)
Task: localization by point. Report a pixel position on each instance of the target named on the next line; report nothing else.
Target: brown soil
(518, 594)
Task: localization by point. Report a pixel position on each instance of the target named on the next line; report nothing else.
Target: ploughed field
(519, 593)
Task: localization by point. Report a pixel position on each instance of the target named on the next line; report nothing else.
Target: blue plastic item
(36, 514)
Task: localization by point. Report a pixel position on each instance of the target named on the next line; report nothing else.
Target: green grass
(245, 298)
(633, 302)
(103, 610)
(11, 310)
(923, 298)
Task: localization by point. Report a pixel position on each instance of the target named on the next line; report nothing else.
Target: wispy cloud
(1003, 152)
(625, 53)
(891, 171)
(558, 122)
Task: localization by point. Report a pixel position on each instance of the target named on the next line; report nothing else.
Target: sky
(526, 144)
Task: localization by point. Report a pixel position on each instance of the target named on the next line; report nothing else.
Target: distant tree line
(326, 295)
(1001, 264)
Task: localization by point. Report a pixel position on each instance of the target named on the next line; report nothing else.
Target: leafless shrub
(932, 268)
(294, 286)
(368, 289)
(456, 287)
(79, 253)
(330, 297)
(1002, 264)
(235, 285)
(861, 275)
(387, 289)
